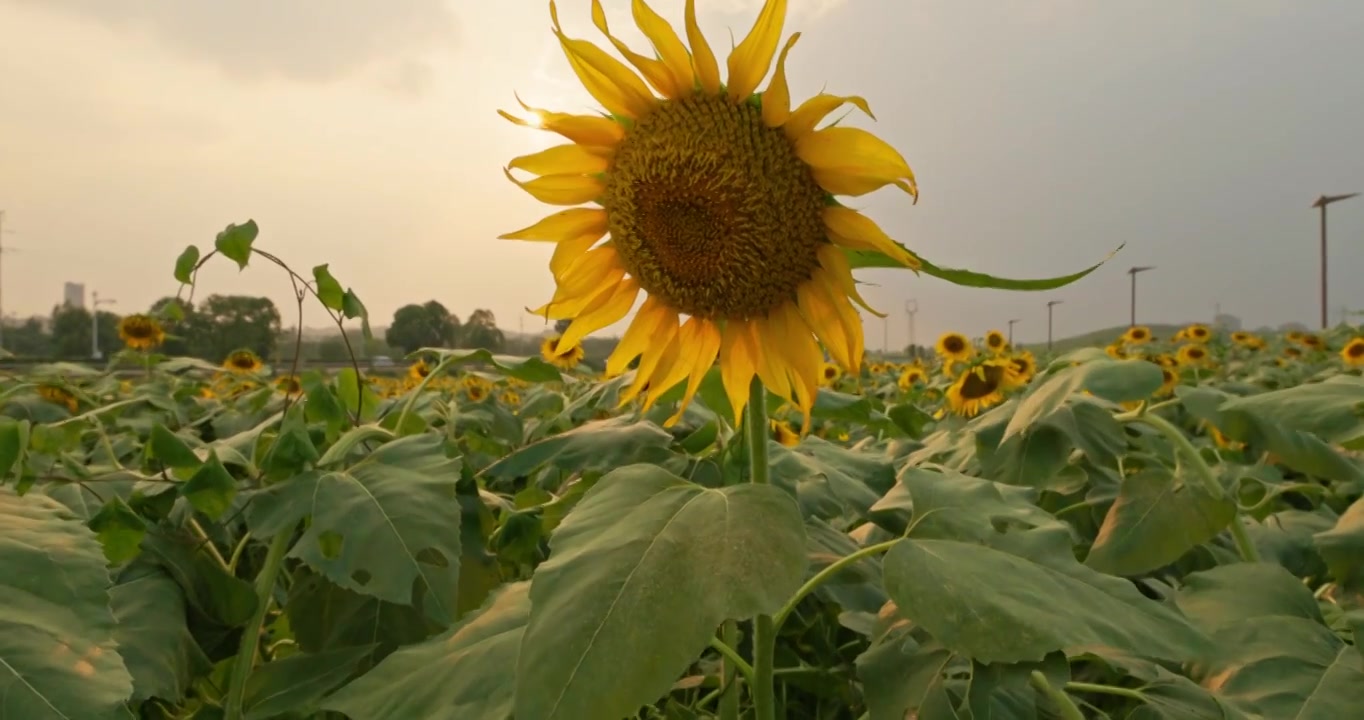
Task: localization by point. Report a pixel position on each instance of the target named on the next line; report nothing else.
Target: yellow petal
(801, 356)
(666, 43)
(583, 281)
(608, 309)
(777, 99)
(589, 130)
(568, 307)
(655, 353)
(856, 231)
(737, 366)
(836, 264)
(675, 365)
(563, 225)
(810, 112)
(605, 78)
(771, 368)
(705, 346)
(852, 161)
(568, 252)
(639, 336)
(654, 71)
(825, 321)
(703, 60)
(570, 159)
(561, 189)
(751, 58)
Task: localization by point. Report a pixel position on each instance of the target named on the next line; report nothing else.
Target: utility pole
(911, 307)
(1133, 272)
(1011, 331)
(3, 250)
(885, 337)
(95, 302)
(1050, 304)
(1322, 202)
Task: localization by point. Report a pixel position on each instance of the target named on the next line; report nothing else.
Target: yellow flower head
(981, 387)
(912, 377)
(829, 374)
(782, 433)
(562, 356)
(1198, 333)
(58, 396)
(1353, 352)
(1312, 342)
(995, 341)
(141, 332)
(243, 361)
(1192, 354)
(1025, 365)
(953, 346)
(1169, 379)
(476, 392)
(289, 385)
(719, 206)
(1137, 335)
(1116, 351)
(510, 398)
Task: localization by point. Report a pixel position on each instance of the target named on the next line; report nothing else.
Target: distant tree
(28, 339)
(418, 326)
(180, 325)
(481, 332)
(71, 329)
(223, 323)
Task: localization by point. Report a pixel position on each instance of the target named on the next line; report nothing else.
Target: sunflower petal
(657, 73)
(768, 340)
(737, 366)
(676, 366)
(571, 159)
(828, 323)
(777, 99)
(605, 78)
(840, 273)
(750, 60)
(801, 356)
(590, 130)
(810, 112)
(703, 60)
(563, 225)
(568, 252)
(852, 161)
(853, 230)
(561, 189)
(582, 281)
(666, 43)
(608, 309)
(655, 353)
(639, 336)
(706, 346)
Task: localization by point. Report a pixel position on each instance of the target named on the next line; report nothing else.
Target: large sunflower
(719, 204)
(559, 355)
(981, 387)
(141, 332)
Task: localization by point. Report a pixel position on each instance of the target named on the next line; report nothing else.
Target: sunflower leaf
(328, 289)
(235, 242)
(185, 264)
(970, 278)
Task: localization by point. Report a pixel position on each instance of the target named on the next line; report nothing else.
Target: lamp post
(1011, 332)
(95, 302)
(1050, 304)
(1322, 202)
(911, 307)
(1133, 272)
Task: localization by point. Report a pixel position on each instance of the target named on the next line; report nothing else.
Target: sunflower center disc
(975, 387)
(712, 211)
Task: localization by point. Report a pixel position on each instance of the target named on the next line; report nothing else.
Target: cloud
(300, 40)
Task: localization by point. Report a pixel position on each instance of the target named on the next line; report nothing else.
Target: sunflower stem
(764, 630)
(245, 660)
(729, 683)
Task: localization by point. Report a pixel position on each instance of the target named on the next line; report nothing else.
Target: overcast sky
(363, 133)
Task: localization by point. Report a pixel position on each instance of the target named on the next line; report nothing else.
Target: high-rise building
(73, 295)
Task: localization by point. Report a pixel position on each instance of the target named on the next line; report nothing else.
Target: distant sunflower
(561, 356)
(719, 206)
(243, 361)
(1197, 332)
(912, 377)
(510, 398)
(1192, 354)
(141, 332)
(829, 374)
(1025, 365)
(1137, 335)
(1241, 337)
(981, 387)
(59, 396)
(995, 341)
(1292, 352)
(782, 433)
(1116, 351)
(1293, 336)
(1168, 380)
(1165, 360)
(1312, 342)
(954, 346)
(475, 393)
(1353, 352)
(289, 385)
(419, 370)
(877, 369)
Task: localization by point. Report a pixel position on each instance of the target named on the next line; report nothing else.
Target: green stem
(764, 631)
(1063, 703)
(823, 576)
(732, 656)
(729, 686)
(1244, 546)
(1096, 689)
(417, 391)
(246, 651)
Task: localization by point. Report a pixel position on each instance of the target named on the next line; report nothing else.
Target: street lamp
(1322, 202)
(95, 302)
(911, 307)
(1050, 304)
(1133, 272)
(1011, 331)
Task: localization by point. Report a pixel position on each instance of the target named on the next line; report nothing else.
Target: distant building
(1226, 323)
(73, 295)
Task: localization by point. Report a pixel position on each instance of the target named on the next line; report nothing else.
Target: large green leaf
(871, 259)
(947, 504)
(647, 549)
(297, 683)
(377, 526)
(530, 369)
(830, 481)
(152, 634)
(58, 655)
(596, 446)
(324, 616)
(1159, 515)
(999, 605)
(1245, 592)
(467, 672)
(1112, 380)
(1299, 425)
(1342, 547)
